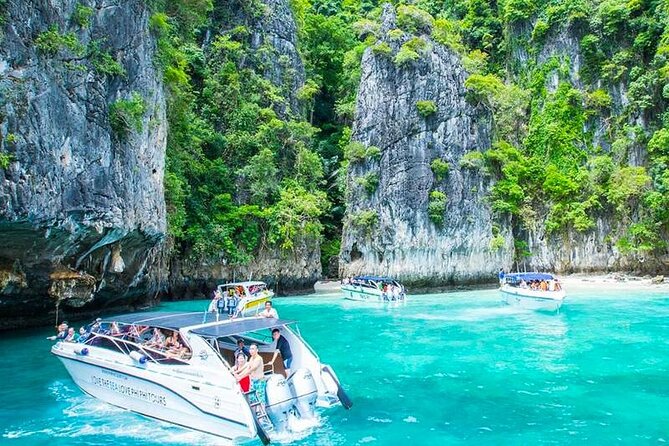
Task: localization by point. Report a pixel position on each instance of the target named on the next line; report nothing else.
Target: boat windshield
(257, 288)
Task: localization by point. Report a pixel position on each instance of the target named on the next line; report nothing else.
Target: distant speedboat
(192, 385)
(536, 291)
(244, 298)
(373, 289)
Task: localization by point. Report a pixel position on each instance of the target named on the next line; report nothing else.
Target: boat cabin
(533, 281)
(242, 289)
(376, 282)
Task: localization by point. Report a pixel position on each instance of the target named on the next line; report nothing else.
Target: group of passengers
(226, 304)
(166, 341)
(69, 334)
(249, 368)
(392, 291)
(541, 285)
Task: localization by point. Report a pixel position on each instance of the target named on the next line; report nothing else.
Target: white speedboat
(536, 291)
(193, 386)
(243, 298)
(373, 289)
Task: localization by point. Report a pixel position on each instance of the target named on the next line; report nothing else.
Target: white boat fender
(80, 350)
(303, 387)
(279, 400)
(138, 357)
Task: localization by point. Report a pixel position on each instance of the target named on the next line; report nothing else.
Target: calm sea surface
(449, 369)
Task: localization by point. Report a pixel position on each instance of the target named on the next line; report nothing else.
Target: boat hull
(533, 300)
(255, 304)
(155, 399)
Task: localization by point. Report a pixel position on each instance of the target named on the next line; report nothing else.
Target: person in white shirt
(269, 311)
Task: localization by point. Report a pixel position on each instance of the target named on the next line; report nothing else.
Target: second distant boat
(242, 299)
(536, 291)
(373, 289)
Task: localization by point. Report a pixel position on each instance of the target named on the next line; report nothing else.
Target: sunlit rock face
(82, 213)
(389, 230)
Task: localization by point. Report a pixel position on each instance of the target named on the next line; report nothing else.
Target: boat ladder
(258, 409)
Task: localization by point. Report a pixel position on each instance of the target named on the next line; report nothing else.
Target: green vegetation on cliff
(578, 90)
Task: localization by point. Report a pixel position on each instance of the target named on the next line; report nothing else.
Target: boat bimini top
(527, 277)
(209, 327)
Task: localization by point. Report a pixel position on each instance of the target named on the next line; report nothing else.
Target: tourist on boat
(217, 303)
(114, 330)
(282, 346)
(232, 302)
(269, 311)
(83, 334)
(255, 370)
(523, 284)
(157, 341)
(240, 363)
(174, 346)
(94, 327)
(500, 276)
(61, 332)
(241, 349)
(72, 336)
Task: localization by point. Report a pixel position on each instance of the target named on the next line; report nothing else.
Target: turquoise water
(450, 369)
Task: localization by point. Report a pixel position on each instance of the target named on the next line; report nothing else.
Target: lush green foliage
(365, 220)
(436, 207)
(411, 51)
(356, 151)
(125, 115)
(472, 160)
(242, 169)
(369, 182)
(102, 61)
(51, 42)
(439, 168)
(82, 15)
(5, 159)
(426, 108)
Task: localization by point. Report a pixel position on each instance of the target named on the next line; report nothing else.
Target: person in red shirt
(240, 365)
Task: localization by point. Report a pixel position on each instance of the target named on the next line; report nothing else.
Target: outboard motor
(304, 389)
(279, 401)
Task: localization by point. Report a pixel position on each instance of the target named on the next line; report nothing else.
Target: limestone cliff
(269, 32)
(592, 250)
(82, 211)
(425, 224)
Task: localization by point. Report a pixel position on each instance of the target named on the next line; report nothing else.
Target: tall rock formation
(270, 35)
(82, 125)
(592, 250)
(422, 225)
